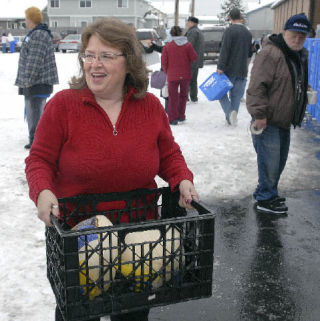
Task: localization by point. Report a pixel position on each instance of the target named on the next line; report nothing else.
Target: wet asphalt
(266, 267)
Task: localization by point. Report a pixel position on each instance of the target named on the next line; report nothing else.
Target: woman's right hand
(47, 203)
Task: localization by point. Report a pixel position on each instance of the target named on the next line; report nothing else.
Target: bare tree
(226, 7)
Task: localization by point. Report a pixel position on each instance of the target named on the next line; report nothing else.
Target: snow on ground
(222, 159)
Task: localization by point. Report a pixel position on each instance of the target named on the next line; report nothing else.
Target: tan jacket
(270, 94)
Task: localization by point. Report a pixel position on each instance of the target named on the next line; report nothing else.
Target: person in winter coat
(235, 50)
(37, 70)
(4, 42)
(176, 59)
(11, 43)
(195, 36)
(106, 134)
(276, 100)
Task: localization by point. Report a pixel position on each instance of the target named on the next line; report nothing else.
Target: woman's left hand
(187, 194)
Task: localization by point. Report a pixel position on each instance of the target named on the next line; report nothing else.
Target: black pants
(193, 89)
(133, 316)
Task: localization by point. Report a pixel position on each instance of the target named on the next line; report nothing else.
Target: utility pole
(192, 8)
(176, 13)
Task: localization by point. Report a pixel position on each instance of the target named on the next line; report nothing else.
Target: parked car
(18, 43)
(149, 34)
(64, 33)
(70, 42)
(212, 40)
(56, 37)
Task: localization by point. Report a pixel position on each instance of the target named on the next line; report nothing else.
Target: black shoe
(279, 199)
(194, 100)
(271, 206)
(28, 146)
(174, 122)
(181, 119)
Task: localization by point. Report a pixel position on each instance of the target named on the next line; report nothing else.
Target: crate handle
(54, 221)
(199, 207)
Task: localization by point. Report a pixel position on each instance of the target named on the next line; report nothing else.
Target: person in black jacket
(195, 36)
(235, 50)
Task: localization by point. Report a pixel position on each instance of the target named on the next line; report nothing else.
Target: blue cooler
(216, 86)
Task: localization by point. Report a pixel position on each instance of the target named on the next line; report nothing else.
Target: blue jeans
(231, 100)
(4, 48)
(34, 108)
(272, 148)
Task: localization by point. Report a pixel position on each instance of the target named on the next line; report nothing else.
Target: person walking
(176, 59)
(11, 43)
(37, 70)
(4, 42)
(195, 37)
(235, 50)
(276, 100)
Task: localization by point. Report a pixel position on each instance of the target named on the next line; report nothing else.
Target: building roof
(277, 3)
(261, 6)
(255, 6)
(15, 9)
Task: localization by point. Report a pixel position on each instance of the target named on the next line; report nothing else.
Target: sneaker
(233, 118)
(28, 146)
(181, 119)
(271, 206)
(280, 200)
(174, 122)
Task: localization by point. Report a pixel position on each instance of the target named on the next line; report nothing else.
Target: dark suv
(212, 40)
(149, 34)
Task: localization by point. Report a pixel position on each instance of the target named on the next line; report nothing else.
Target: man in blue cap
(276, 100)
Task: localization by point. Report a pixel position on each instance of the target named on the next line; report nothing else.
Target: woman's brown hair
(117, 34)
(176, 31)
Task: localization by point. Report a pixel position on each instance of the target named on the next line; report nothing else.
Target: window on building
(54, 24)
(55, 3)
(122, 3)
(84, 24)
(85, 3)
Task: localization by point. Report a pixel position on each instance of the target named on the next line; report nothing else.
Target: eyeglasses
(105, 57)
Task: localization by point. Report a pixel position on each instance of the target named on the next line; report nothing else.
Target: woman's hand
(47, 203)
(187, 194)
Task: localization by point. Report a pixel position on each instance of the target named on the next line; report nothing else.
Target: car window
(212, 35)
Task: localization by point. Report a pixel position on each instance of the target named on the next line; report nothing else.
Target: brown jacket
(270, 94)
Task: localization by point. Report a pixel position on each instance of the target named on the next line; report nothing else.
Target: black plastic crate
(119, 273)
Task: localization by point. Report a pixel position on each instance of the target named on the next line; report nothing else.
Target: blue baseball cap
(298, 23)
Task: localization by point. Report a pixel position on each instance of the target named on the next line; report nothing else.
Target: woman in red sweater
(105, 134)
(176, 59)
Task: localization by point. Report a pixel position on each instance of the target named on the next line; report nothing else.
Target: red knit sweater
(75, 151)
(176, 60)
